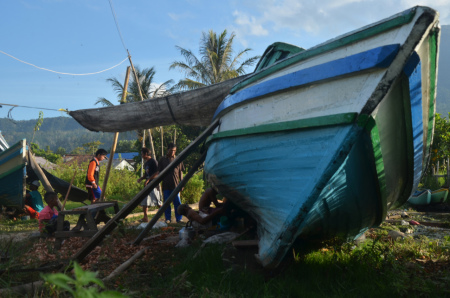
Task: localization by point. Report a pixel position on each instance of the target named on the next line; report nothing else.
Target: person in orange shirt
(92, 176)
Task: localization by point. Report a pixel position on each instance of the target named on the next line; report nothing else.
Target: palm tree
(216, 63)
(148, 88)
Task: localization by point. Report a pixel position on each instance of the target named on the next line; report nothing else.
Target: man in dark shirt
(171, 181)
(151, 171)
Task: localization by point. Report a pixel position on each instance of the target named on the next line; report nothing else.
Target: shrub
(193, 189)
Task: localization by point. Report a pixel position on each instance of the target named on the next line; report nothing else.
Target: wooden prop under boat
(321, 143)
(439, 196)
(422, 197)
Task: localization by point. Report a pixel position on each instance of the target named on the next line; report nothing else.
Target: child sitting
(48, 216)
(33, 201)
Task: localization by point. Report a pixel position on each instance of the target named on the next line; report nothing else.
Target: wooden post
(116, 137)
(111, 224)
(447, 182)
(136, 79)
(68, 190)
(38, 171)
(150, 139)
(162, 141)
(437, 174)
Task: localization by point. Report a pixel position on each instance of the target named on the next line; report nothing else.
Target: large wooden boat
(420, 197)
(439, 196)
(16, 170)
(13, 175)
(322, 142)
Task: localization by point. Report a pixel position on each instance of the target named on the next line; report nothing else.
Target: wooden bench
(89, 217)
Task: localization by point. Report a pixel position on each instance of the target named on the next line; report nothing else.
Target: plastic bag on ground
(221, 238)
(157, 225)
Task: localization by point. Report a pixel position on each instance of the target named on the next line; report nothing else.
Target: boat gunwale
(351, 37)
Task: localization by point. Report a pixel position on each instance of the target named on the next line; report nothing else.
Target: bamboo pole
(38, 171)
(68, 190)
(116, 137)
(136, 79)
(162, 141)
(150, 138)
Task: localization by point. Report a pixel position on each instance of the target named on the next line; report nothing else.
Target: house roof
(45, 163)
(125, 155)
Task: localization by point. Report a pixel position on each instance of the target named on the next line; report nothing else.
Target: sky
(79, 41)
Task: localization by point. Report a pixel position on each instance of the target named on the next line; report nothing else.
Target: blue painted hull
(420, 198)
(317, 179)
(312, 170)
(13, 175)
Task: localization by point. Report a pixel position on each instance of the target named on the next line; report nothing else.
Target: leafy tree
(148, 87)
(92, 146)
(38, 124)
(127, 146)
(47, 154)
(79, 151)
(61, 151)
(216, 63)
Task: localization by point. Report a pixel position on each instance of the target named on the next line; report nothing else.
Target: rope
(64, 73)
(19, 106)
(117, 25)
(171, 112)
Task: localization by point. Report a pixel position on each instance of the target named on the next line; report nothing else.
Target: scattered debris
(396, 235)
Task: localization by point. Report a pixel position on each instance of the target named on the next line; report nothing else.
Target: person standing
(93, 174)
(151, 171)
(171, 180)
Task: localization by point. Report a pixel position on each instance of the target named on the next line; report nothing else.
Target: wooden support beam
(112, 224)
(38, 171)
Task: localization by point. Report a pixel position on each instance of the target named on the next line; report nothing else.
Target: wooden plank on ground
(245, 243)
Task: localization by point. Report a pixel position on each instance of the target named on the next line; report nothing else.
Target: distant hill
(443, 86)
(57, 132)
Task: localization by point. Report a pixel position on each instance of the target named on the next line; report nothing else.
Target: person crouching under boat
(33, 201)
(199, 219)
(92, 176)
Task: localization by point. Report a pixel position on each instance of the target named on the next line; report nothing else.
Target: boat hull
(323, 147)
(13, 175)
(439, 196)
(420, 198)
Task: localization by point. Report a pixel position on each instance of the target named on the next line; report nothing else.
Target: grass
(377, 267)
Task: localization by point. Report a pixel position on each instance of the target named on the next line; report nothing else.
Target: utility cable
(19, 106)
(65, 73)
(117, 25)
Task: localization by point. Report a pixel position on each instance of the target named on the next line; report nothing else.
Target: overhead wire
(20, 106)
(64, 73)
(117, 26)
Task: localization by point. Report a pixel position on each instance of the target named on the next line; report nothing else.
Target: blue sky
(81, 37)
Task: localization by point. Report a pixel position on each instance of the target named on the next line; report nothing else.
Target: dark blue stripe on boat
(413, 70)
(375, 58)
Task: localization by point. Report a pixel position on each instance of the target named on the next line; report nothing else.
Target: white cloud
(180, 16)
(327, 18)
(253, 27)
